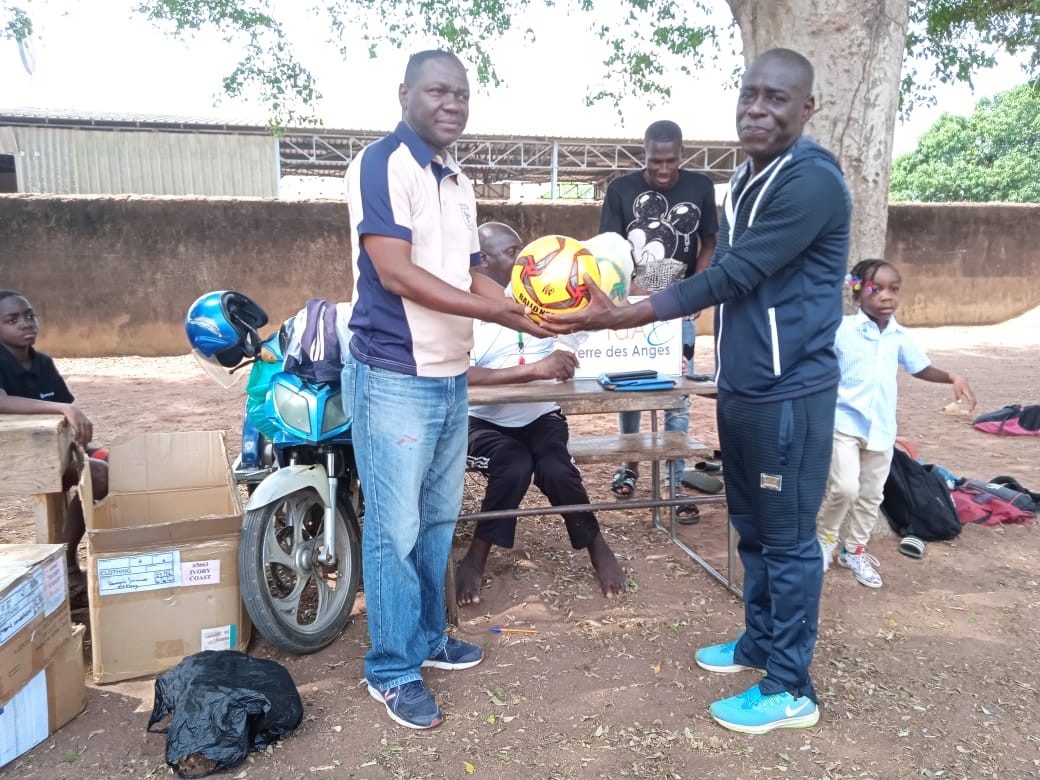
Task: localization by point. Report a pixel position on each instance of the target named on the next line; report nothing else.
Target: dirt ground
(933, 675)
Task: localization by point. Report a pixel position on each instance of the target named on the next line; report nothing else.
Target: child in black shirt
(30, 384)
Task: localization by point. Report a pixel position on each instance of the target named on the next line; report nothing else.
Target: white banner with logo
(657, 347)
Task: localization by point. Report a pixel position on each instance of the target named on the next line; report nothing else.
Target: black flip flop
(687, 514)
(911, 546)
(623, 485)
(712, 464)
(705, 483)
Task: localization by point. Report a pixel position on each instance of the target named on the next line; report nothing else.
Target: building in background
(66, 153)
(124, 155)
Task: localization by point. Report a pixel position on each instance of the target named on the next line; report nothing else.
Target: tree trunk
(856, 47)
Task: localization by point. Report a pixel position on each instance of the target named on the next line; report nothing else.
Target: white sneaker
(863, 565)
(828, 544)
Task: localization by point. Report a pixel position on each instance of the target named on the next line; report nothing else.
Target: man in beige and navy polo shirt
(413, 224)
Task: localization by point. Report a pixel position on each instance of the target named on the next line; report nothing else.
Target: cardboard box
(162, 556)
(161, 477)
(50, 699)
(34, 611)
(67, 681)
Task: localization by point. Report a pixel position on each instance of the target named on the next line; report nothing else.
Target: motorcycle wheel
(297, 603)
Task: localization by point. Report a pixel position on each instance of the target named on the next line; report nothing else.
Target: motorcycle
(299, 557)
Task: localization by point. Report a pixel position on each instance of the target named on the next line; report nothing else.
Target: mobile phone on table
(628, 376)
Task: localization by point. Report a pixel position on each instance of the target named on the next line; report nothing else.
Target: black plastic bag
(224, 704)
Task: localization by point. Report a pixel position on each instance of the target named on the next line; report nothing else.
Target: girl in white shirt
(871, 347)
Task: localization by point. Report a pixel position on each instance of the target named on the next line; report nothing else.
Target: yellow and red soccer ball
(549, 276)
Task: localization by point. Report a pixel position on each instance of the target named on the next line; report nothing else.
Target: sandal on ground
(705, 483)
(687, 514)
(623, 484)
(911, 546)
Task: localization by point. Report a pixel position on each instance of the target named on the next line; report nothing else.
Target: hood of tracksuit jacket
(776, 277)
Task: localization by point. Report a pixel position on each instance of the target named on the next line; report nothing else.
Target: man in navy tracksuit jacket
(776, 281)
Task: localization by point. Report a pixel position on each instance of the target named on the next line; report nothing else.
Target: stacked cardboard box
(162, 556)
(41, 655)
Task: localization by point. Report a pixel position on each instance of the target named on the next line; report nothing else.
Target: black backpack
(917, 501)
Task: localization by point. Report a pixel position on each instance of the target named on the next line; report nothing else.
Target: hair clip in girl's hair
(857, 285)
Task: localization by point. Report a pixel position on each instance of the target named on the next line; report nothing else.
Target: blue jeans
(689, 341)
(677, 419)
(410, 446)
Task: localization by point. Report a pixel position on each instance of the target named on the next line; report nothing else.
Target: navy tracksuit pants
(776, 457)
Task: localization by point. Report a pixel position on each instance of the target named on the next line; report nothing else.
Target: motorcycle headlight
(334, 416)
(292, 408)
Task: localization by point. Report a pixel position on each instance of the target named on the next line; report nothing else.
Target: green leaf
(991, 155)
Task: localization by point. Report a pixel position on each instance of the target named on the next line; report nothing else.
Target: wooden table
(587, 396)
(36, 450)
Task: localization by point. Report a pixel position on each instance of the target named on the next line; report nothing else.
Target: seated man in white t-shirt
(512, 443)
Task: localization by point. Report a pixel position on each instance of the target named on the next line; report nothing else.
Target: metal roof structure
(494, 158)
(488, 159)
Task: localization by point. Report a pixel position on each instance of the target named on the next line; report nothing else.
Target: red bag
(986, 503)
(1011, 420)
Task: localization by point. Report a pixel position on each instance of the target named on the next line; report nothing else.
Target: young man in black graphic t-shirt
(669, 216)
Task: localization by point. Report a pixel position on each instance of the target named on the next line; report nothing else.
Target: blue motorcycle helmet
(222, 327)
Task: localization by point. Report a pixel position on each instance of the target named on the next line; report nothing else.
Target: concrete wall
(965, 263)
(114, 276)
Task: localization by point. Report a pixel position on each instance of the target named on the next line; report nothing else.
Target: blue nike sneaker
(719, 658)
(753, 712)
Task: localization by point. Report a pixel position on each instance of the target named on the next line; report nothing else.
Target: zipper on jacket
(754, 208)
(718, 344)
(774, 340)
(732, 208)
